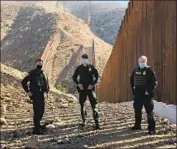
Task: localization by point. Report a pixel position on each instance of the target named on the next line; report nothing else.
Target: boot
(151, 132)
(42, 127)
(97, 126)
(37, 132)
(83, 123)
(136, 128)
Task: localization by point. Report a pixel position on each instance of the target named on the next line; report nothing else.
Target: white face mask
(85, 61)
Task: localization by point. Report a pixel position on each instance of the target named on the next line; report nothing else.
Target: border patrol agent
(38, 86)
(88, 75)
(143, 82)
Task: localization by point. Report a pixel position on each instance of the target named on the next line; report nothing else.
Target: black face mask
(39, 67)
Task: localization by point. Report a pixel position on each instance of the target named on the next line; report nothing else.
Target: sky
(124, 3)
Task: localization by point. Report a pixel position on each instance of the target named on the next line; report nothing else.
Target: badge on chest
(141, 73)
(138, 73)
(144, 73)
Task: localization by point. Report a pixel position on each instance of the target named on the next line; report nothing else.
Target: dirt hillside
(28, 30)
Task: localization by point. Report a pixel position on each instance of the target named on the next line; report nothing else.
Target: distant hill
(105, 16)
(28, 28)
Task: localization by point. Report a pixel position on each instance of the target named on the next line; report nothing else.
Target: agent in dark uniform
(38, 86)
(88, 77)
(143, 82)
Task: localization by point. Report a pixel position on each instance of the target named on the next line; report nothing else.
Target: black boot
(136, 128)
(83, 123)
(42, 127)
(84, 116)
(37, 132)
(97, 126)
(151, 132)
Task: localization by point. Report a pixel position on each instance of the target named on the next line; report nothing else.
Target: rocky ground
(64, 130)
(63, 118)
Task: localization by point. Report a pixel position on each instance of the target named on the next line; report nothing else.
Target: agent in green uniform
(38, 86)
(88, 77)
(143, 83)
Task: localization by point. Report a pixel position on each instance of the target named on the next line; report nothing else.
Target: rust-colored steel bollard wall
(148, 28)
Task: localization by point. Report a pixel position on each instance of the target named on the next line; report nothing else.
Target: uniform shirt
(143, 80)
(38, 81)
(87, 75)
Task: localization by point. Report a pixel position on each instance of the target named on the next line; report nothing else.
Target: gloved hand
(150, 92)
(80, 86)
(133, 90)
(90, 87)
(29, 94)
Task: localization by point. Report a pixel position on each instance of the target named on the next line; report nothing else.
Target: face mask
(84, 61)
(39, 67)
(142, 65)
